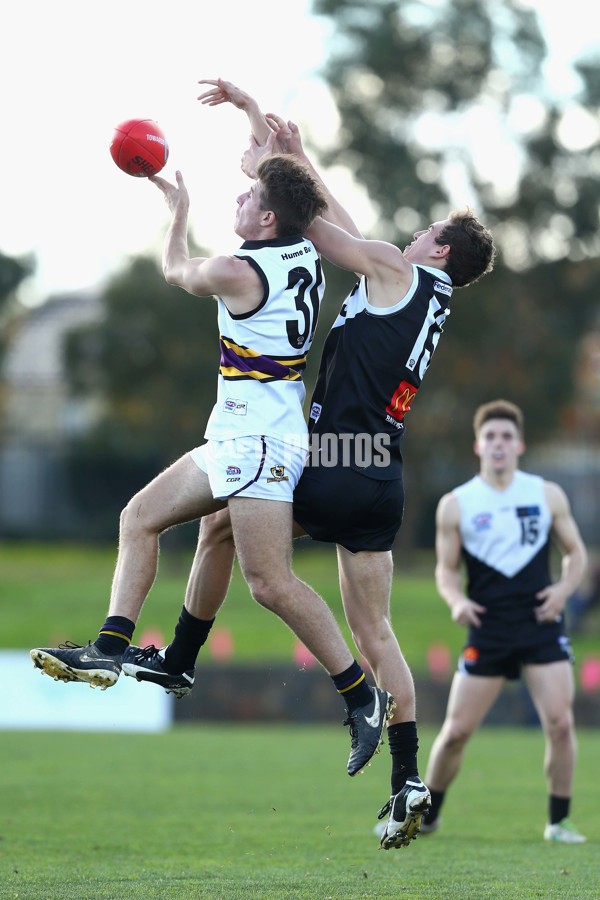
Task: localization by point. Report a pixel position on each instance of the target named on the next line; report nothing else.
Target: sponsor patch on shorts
(470, 655)
(235, 407)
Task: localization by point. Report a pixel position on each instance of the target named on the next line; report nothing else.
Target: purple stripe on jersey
(261, 466)
(263, 364)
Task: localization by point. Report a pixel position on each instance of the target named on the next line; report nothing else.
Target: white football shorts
(252, 466)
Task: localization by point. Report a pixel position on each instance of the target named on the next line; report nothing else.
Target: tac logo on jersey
(278, 473)
(470, 655)
(315, 411)
(236, 407)
(482, 521)
(401, 401)
(234, 470)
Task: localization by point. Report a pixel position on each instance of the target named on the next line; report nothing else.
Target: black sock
(404, 745)
(115, 635)
(353, 687)
(190, 634)
(558, 808)
(437, 798)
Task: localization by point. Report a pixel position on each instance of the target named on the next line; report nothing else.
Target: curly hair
(291, 192)
(472, 250)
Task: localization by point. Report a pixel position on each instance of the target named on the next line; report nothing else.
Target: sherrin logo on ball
(139, 147)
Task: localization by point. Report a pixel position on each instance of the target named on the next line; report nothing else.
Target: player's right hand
(467, 612)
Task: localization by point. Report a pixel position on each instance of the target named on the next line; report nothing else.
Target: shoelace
(69, 645)
(351, 723)
(147, 652)
(385, 809)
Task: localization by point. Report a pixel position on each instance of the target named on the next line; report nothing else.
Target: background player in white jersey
(372, 366)
(502, 521)
(268, 297)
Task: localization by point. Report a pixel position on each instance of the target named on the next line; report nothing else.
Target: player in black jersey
(501, 522)
(351, 494)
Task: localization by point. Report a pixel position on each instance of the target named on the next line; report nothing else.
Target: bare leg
(179, 494)
(212, 566)
(210, 575)
(263, 539)
(471, 696)
(552, 691)
(366, 583)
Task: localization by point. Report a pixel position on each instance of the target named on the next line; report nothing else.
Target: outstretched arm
(231, 279)
(286, 140)
(289, 141)
(226, 92)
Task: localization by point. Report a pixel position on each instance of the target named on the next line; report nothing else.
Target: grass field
(245, 813)
(53, 592)
(253, 812)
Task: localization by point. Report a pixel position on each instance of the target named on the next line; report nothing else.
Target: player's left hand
(176, 196)
(553, 603)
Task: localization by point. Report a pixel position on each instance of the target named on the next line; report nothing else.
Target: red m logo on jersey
(401, 400)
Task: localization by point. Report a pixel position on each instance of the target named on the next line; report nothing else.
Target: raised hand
(253, 154)
(177, 196)
(225, 92)
(287, 135)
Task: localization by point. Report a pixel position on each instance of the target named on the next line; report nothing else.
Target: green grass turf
(268, 812)
(49, 593)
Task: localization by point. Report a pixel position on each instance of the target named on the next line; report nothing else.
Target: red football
(139, 147)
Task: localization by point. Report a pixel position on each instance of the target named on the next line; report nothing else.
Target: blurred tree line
(425, 93)
(13, 271)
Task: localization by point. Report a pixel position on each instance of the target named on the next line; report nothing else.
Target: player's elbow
(173, 274)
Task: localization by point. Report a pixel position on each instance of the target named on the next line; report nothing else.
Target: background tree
(13, 272)
(152, 360)
(426, 94)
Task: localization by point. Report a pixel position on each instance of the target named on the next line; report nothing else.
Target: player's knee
(560, 726)
(456, 735)
(265, 591)
(133, 520)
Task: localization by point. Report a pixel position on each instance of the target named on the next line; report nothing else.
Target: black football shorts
(342, 506)
(490, 654)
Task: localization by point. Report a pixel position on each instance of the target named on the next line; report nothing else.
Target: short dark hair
(291, 192)
(499, 409)
(472, 250)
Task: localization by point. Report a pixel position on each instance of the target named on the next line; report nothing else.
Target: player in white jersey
(373, 362)
(268, 293)
(256, 434)
(502, 522)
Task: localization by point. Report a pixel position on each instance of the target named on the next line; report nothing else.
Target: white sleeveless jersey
(263, 352)
(505, 537)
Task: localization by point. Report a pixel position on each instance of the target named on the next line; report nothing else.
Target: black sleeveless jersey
(372, 366)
